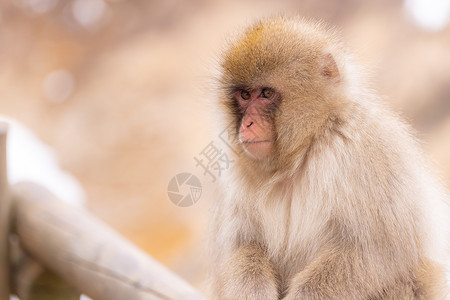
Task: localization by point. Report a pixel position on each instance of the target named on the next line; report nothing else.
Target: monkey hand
(331, 275)
(249, 275)
(301, 289)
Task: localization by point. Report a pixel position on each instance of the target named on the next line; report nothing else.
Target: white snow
(29, 159)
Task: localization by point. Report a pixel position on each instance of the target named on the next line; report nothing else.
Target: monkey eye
(267, 93)
(245, 95)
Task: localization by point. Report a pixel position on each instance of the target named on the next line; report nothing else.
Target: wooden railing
(80, 254)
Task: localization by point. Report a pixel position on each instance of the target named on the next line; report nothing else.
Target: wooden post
(88, 254)
(31, 281)
(4, 217)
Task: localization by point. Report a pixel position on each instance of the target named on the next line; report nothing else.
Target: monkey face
(256, 130)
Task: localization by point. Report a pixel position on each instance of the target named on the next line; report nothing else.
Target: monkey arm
(347, 271)
(334, 274)
(247, 274)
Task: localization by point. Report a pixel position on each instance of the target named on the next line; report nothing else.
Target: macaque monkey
(330, 196)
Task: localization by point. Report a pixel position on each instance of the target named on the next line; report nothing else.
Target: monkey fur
(341, 203)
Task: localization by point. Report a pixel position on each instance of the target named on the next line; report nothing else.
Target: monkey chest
(291, 230)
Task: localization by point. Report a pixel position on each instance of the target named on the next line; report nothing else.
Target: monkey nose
(250, 124)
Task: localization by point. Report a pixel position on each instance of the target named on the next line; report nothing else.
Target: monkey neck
(274, 169)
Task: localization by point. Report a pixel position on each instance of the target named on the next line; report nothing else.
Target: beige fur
(345, 207)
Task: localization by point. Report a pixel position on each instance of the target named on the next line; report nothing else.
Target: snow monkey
(330, 196)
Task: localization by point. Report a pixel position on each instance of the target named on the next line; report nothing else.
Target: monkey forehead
(278, 47)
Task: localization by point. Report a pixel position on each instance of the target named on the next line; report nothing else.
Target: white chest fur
(292, 221)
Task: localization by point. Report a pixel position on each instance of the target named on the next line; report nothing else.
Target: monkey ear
(329, 67)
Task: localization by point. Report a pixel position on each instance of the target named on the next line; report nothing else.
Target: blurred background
(121, 90)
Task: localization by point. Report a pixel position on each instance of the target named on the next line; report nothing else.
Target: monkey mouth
(257, 149)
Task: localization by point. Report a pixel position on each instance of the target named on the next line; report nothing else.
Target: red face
(256, 132)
